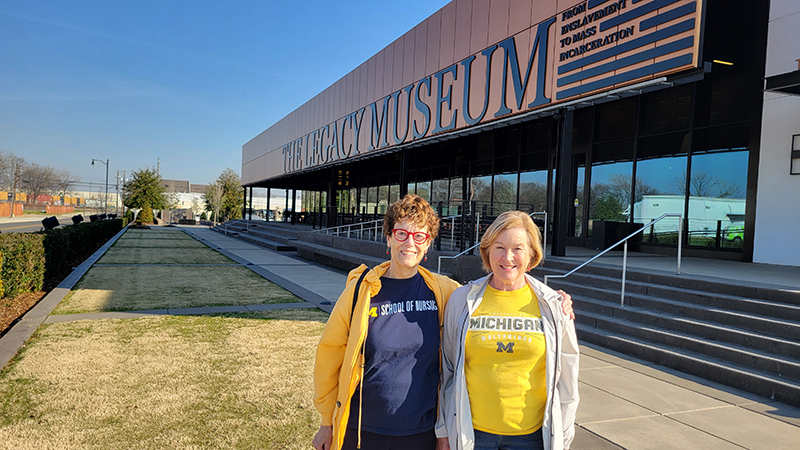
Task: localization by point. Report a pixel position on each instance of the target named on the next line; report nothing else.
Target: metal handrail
(625, 252)
(544, 243)
(346, 229)
(372, 224)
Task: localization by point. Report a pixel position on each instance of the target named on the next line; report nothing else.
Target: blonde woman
(509, 353)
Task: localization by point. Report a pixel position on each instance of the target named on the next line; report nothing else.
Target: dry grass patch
(132, 288)
(233, 381)
(136, 255)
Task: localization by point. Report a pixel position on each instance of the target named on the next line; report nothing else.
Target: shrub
(69, 246)
(23, 266)
(145, 215)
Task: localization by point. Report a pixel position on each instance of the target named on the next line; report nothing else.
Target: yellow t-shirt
(505, 363)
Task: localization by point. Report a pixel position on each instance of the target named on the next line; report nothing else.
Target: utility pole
(116, 204)
(14, 187)
(105, 207)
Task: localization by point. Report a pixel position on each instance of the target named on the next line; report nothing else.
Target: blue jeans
(489, 441)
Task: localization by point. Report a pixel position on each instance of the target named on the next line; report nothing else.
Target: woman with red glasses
(376, 374)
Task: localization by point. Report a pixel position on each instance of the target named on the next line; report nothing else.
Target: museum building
(604, 114)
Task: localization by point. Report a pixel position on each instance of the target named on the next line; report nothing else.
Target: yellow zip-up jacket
(339, 363)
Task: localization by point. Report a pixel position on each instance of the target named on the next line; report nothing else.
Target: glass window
(394, 193)
(480, 191)
(717, 199)
(720, 100)
(372, 200)
(666, 110)
(424, 190)
(533, 181)
(456, 194)
(615, 120)
(484, 146)
(362, 207)
(440, 191)
(612, 172)
(383, 199)
(660, 180)
(575, 217)
(717, 186)
(504, 194)
(541, 136)
(582, 126)
(533, 191)
(508, 142)
(353, 207)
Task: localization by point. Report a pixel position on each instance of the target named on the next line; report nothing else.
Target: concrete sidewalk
(625, 402)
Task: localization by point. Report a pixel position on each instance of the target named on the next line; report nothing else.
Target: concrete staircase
(279, 239)
(747, 337)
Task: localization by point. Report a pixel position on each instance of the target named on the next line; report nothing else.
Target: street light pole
(105, 206)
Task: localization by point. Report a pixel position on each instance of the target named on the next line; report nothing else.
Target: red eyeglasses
(401, 235)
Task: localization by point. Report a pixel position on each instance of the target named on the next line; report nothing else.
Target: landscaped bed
(12, 309)
(232, 381)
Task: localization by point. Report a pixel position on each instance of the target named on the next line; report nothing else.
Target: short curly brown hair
(414, 208)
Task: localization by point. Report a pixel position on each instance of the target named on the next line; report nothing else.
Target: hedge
(23, 263)
(33, 261)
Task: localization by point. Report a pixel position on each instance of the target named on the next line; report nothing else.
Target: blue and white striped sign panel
(602, 44)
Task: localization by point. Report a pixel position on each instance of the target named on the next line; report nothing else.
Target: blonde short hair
(414, 208)
(512, 219)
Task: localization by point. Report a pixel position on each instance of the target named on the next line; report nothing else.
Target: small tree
(197, 208)
(213, 198)
(226, 196)
(145, 188)
(232, 194)
(145, 215)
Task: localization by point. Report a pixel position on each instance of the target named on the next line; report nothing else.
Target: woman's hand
(566, 304)
(323, 438)
(442, 444)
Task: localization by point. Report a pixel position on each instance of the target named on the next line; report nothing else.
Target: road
(27, 224)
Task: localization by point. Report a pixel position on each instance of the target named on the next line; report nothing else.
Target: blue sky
(188, 82)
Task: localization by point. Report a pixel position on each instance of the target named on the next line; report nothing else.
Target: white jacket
(455, 416)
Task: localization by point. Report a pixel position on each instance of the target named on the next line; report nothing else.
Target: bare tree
(9, 163)
(213, 198)
(37, 180)
(64, 182)
(705, 185)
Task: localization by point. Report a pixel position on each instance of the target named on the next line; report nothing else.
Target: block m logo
(508, 348)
